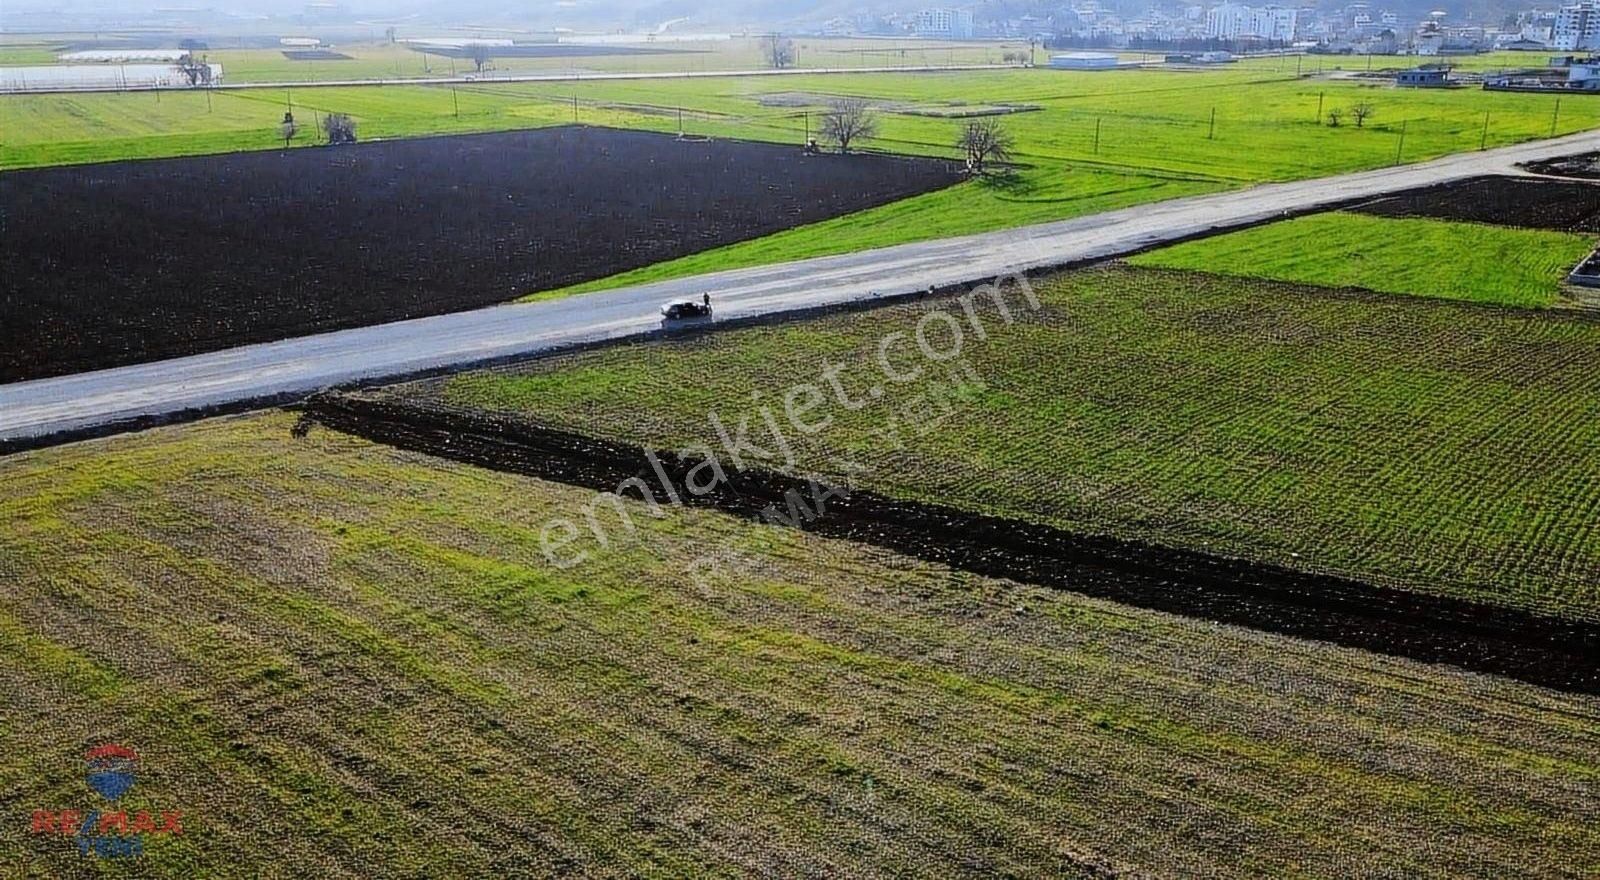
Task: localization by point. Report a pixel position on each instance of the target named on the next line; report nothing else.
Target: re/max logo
(110, 834)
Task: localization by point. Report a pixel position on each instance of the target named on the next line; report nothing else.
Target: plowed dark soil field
(136, 261)
(1503, 201)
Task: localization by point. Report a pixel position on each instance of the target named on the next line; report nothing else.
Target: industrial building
(1083, 61)
(1425, 78)
(104, 77)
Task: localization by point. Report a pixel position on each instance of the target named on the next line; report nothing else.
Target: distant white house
(1584, 73)
(1083, 61)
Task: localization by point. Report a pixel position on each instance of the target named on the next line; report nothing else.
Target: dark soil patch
(1541, 650)
(1585, 165)
(1503, 201)
(315, 55)
(135, 261)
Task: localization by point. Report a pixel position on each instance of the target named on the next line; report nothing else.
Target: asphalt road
(40, 408)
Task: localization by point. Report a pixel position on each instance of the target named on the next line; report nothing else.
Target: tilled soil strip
(1483, 638)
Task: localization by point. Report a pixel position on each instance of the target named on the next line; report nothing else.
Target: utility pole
(1483, 142)
(455, 99)
(1212, 134)
(1402, 145)
(1097, 135)
(1320, 96)
(574, 109)
(1555, 116)
(1297, 60)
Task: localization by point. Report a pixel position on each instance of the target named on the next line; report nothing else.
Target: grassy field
(1423, 444)
(1099, 140)
(339, 660)
(379, 59)
(1435, 258)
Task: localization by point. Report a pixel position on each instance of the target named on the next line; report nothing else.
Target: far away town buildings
(1356, 28)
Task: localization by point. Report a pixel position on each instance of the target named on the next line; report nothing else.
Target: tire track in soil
(1541, 650)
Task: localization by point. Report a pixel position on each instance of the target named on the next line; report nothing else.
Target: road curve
(105, 398)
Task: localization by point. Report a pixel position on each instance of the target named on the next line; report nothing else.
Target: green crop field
(340, 660)
(1096, 140)
(377, 59)
(1424, 444)
(1436, 258)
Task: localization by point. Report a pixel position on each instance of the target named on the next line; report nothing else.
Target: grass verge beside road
(1433, 258)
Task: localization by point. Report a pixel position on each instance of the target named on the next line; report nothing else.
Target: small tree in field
(984, 140)
(778, 50)
(287, 129)
(1335, 116)
(847, 121)
(1360, 112)
(340, 128)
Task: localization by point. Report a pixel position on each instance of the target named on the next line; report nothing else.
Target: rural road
(102, 399)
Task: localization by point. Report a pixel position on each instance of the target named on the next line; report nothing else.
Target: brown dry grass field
(340, 659)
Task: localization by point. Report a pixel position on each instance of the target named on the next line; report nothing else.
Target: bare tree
(340, 128)
(984, 140)
(778, 50)
(1335, 116)
(287, 129)
(1361, 111)
(480, 55)
(848, 120)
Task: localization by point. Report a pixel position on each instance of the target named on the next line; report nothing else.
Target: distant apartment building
(955, 23)
(1231, 21)
(1577, 27)
(1228, 21)
(1274, 23)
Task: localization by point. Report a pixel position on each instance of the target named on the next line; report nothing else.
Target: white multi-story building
(1228, 21)
(955, 23)
(1273, 23)
(1231, 21)
(1577, 27)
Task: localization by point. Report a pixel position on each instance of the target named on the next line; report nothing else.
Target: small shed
(1083, 61)
(1424, 77)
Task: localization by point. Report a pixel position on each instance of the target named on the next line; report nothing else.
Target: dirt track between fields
(1482, 638)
